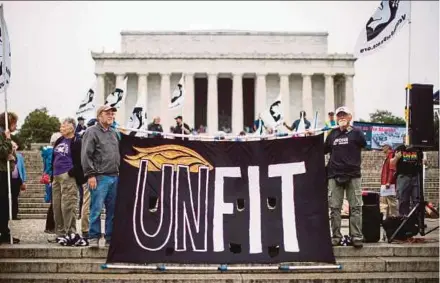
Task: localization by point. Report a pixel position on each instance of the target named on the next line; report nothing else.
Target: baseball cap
(178, 117)
(331, 113)
(105, 108)
(342, 109)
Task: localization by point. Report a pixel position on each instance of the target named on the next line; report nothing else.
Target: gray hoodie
(100, 151)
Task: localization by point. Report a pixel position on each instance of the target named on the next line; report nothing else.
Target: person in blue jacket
(18, 180)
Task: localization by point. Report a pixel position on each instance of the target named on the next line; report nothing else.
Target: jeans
(103, 195)
(407, 191)
(354, 197)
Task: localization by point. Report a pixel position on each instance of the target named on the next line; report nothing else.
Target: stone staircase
(375, 263)
(32, 206)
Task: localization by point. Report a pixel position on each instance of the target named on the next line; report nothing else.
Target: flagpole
(8, 165)
(408, 86)
(183, 104)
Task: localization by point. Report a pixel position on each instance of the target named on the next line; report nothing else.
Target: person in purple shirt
(66, 176)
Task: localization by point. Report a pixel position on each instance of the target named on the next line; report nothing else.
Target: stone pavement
(32, 230)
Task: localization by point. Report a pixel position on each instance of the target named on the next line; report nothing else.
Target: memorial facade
(230, 76)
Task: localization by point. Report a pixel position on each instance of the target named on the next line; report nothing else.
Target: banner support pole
(408, 86)
(222, 267)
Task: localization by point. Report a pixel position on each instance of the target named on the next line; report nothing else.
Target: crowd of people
(81, 168)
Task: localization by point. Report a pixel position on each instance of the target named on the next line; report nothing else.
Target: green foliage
(385, 117)
(38, 127)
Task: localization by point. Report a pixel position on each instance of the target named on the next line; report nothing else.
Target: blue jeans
(103, 194)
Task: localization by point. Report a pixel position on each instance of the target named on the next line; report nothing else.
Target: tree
(385, 117)
(38, 127)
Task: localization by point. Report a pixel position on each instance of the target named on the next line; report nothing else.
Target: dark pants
(4, 205)
(407, 192)
(15, 191)
(50, 221)
(81, 198)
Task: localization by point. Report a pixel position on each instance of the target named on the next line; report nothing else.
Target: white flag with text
(387, 20)
(117, 97)
(138, 119)
(5, 45)
(178, 95)
(87, 107)
(273, 115)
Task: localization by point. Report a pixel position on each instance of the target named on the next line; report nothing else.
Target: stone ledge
(236, 56)
(224, 32)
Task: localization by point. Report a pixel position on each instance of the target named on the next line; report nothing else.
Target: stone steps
(93, 265)
(404, 263)
(282, 277)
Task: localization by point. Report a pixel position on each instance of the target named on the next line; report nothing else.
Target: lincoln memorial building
(230, 76)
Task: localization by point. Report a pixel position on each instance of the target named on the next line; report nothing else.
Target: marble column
(329, 93)
(349, 93)
(307, 95)
(100, 90)
(188, 103)
(121, 117)
(164, 102)
(212, 123)
(237, 103)
(260, 94)
(285, 96)
(142, 96)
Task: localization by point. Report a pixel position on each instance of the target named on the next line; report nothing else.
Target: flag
(5, 45)
(302, 125)
(273, 115)
(116, 98)
(87, 106)
(178, 95)
(389, 17)
(138, 119)
(260, 129)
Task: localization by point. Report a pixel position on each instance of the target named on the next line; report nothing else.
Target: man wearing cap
(388, 200)
(344, 175)
(80, 128)
(178, 127)
(100, 161)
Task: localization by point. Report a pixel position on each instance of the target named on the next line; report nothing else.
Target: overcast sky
(51, 43)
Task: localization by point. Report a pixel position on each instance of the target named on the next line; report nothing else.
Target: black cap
(331, 113)
(81, 119)
(178, 117)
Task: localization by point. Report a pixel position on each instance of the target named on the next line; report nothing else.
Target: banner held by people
(178, 95)
(87, 106)
(218, 202)
(382, 27)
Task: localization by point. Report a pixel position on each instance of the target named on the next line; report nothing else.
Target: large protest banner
(379, 134)
(221, 202)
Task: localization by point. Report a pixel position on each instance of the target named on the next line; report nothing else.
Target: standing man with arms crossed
(344, 175)
(100, 160)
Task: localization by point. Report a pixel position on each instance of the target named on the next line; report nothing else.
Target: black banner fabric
(221, 202)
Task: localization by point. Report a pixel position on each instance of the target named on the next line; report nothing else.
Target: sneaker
(94, 243)
(336, 242)
(85, 235)
(357, 243)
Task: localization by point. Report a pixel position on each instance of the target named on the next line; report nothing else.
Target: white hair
(54, 138)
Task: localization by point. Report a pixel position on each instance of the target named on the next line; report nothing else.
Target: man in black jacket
(155, 126)
(181, 128)
(344, 175)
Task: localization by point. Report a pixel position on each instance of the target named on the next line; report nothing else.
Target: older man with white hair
(344, 175)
